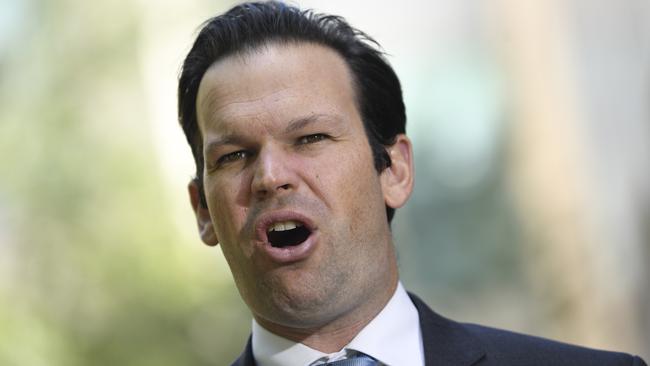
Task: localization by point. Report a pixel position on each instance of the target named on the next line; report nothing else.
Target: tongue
(287, 238)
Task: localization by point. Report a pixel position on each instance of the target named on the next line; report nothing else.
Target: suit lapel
(446, 342)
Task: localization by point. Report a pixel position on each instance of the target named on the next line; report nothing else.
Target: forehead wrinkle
(250, 105)
(228, 87)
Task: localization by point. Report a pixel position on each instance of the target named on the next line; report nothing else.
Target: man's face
(293, 196)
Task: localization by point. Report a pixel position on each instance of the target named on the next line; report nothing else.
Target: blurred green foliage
(94, 270)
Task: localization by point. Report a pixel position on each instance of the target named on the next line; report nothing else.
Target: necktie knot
(359, 359)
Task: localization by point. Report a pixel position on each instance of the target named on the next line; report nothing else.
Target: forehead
(276, 81)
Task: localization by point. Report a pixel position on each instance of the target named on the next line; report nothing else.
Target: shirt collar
(392, 337)
(272, 350)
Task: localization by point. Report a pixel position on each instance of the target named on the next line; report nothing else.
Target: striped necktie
(359, 359)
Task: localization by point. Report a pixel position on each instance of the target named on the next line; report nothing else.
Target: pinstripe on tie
(359, 359)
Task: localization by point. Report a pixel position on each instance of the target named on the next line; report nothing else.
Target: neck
(334, 335)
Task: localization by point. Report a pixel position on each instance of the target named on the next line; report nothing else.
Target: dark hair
(250, 25)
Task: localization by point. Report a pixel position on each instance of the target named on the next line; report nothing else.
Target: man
(297, 127)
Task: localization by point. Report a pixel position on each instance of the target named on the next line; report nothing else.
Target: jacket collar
(246, 358)
(445, 341)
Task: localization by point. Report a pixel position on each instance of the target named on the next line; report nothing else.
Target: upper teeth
(282, 226)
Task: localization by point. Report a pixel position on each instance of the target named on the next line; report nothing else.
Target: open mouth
(287, 233)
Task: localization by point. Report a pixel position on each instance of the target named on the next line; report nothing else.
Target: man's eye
(231, 157)
(310, 139)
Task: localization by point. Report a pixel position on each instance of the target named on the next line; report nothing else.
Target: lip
(287, 254)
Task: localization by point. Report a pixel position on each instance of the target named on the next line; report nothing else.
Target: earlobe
(203, 219)
(397, 179)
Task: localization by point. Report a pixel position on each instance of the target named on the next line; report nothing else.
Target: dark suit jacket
(448, 343)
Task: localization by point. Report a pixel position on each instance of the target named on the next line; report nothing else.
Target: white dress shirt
(393, 337)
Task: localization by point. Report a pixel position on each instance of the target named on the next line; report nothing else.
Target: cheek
(226, 210)
(352, 184)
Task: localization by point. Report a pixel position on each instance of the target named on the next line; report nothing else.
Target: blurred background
(530, 122)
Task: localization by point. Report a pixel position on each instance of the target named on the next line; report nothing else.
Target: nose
(273, 173)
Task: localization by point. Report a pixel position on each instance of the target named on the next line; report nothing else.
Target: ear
(203, 219)
(397, 179)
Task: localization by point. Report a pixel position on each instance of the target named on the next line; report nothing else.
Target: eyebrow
(302, 122)
(225, 140)
(294, 125)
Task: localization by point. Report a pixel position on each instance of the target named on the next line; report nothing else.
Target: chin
(300, 305)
